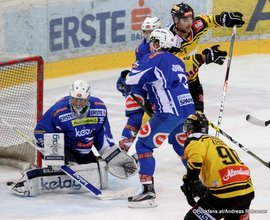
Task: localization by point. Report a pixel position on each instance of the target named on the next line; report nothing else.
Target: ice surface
(248, 93)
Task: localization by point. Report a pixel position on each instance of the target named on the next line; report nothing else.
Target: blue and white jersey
(142, 49)
(166, 81)
(80, 133)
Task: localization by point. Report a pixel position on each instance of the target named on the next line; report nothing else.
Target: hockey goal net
(21, 106)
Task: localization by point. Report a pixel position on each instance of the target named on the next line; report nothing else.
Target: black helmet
(182, 10)
(196, 123)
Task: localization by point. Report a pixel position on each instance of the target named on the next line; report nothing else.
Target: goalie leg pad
(46, 180)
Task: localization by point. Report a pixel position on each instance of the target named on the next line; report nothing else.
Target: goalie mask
(149, 25)
(79, 94)
(196, 123)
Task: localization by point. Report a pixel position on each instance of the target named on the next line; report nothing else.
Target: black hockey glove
(214, 55)
(192, 189)
(229, 19)
(188, 191)
(120, 84)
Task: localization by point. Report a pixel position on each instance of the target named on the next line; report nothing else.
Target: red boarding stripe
(145, 155)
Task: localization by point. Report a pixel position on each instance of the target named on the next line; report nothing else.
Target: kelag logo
(81, 33)
(59, 183)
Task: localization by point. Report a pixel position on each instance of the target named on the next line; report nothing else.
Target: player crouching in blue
(83, 121)
(164, 76)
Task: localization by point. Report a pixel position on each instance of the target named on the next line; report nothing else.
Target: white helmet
(164, 36)
(79, 93)
(150, 24)
(80, 90)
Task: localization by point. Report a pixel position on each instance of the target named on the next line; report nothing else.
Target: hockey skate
(146, 199)
(20, 187)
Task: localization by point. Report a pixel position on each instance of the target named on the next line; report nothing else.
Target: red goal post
(21, 106)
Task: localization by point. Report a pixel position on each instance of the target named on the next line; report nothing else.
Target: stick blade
(251, 119)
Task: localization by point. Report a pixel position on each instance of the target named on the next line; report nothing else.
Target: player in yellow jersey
(187, 30)
(227, 189)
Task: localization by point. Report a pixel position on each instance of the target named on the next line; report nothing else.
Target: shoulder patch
(197, 25)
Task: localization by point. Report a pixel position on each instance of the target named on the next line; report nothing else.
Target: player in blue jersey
(83, 120)
(133, 110)
(164, 76)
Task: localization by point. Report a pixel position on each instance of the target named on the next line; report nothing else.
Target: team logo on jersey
(66, 117)
(132, 105)
(232, 174)
(197, 25)
(84, 121)
(185, 99)
(159, 138)
(181, 138)
(97, 112)
(145, 130)
(83, 132)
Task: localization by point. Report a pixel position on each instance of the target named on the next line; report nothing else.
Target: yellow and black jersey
(184, 48)
(220, 168)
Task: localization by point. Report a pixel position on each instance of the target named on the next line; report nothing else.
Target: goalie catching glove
(120, 164)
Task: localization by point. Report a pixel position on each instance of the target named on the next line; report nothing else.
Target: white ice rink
(248, 93)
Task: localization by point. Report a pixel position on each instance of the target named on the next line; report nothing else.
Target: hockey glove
(214, 55)
(192, 189)
(188, 191)
(120, 164)
(230, 19)
(120, 84)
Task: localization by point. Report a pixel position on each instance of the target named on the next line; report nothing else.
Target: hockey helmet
(79, 94)
(164, 36)
(196, 123)
(149, 25)
(182, 10)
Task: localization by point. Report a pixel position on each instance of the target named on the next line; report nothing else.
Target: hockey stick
(225, 85)
(70, 172)
(140, 104)
(251, 119)
(238, 144)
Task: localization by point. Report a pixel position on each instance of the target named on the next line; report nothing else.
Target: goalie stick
(253, 120)
(238, 144)
(74, 175)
